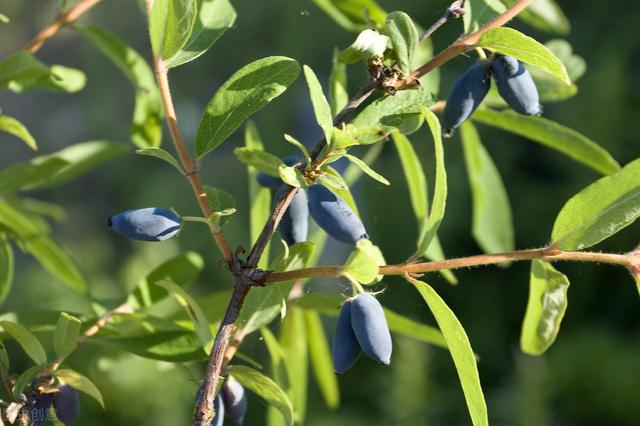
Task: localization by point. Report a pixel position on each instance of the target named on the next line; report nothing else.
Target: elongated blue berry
(294, 225)
(218, 406)
(334, 215)
(235, 401)
(150, 224)
(371, 329)
(274, 181)
(39, 411)
(467, 93)
(346, 349)
(515, 85)
(66, 404)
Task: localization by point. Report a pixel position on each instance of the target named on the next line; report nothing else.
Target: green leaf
(511, 42)
(222, 204)
(265, 388)
(146, 126)
(552, 135)
(259, 159)
(293, 340)
(213, 19)
(480, 12)
(368, 45)
(164, 345)
(20, 66)
(404, 38)
(292, 176)
(353, 15)
(170, 25)
(193, 309)
(403, 101)
(78, 159)
(545, 308)
(278, 372)
(600, 210)
(4, 18)
(161, 154)
(14, 127)
(368, 170)
(414, 329)
(419, 194)
(6, 268)
(361, 266)
(461, 352)
(259, 197)
(27, 341)
(295, 142)
(338, 185)
(246, 91)
(338, 85)
(321, 107)
(182, 270)
(4, 357)
(320, 355)
(60, 79)
(25, 378)
(81, 383)
(430, 230)
(24, 175)
(263, 304)
(66, 334)
(54, 259)
(544, 15)
(351, 135)
(492, 224)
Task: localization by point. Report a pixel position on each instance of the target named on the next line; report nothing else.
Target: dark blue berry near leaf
(334, 215)
(371, 329)
(468, 91)
(346, 349)
(148, 224)
(515, 85)
(66, 403)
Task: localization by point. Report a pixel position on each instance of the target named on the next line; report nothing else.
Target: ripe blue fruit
(346, 349)
(150, 224)
(39, 411)
(515, 85)
(294, 225)
(274, 181)
(467, 93)
(235, 401)
(370, 327)
(334, 215)
(66, 404)
(218, 406)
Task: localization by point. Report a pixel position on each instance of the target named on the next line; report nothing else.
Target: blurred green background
(590, 375)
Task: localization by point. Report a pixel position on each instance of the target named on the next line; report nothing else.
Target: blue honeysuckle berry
(346, 349)
(370, 327)
(148, 224)
(218, 406)
(334, 216)
(294, 225)
(468, 91)
(515, 85)
(39, 411)
(235, 401)
(269, 181)
(66, 403)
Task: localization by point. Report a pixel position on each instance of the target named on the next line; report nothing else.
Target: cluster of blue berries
(514, 83)
(330, 211)
(361, 326)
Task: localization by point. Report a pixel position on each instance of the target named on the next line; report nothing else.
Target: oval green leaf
(246, 91)
(29, 343)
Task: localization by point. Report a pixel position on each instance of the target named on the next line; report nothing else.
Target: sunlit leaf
(545, 309)
(29, 343)
(81, 383)
(320, 356)
(170, 25)
(66, 334)
(14, 127)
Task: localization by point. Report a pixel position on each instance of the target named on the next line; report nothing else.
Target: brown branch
(63, 20)
(545, 254)
(455, 10)
(464, 44)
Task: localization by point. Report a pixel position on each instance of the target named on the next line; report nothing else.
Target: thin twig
(63, 20)
(463, 262)
(455, 10)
